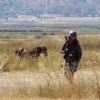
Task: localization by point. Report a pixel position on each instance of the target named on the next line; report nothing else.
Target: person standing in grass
(72, 52)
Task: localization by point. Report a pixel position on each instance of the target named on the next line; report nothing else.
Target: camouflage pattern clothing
(72, 54)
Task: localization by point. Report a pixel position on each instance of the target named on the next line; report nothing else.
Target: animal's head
(44, 50)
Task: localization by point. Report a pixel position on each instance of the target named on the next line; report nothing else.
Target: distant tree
(83, 1)
(52, 34)
(12, 8)
(44, 34)
(56, 9)
(93, 14)
(66, 14)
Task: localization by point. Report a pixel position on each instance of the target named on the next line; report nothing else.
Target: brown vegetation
(44, 78)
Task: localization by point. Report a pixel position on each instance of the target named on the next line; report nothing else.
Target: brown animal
(22, 52)
(36, 51)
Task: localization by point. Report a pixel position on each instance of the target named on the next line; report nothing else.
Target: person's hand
(62, 51)
(77, 60)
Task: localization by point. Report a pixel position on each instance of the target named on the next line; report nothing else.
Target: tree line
(75, 8)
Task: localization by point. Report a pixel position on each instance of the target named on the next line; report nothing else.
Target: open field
(82, 27)
(50, 84)
(26, 79)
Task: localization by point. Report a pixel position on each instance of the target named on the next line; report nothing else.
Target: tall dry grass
(28, 78)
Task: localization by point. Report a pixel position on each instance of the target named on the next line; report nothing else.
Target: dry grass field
(26, 79)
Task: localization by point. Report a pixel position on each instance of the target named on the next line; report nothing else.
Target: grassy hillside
(13, 8)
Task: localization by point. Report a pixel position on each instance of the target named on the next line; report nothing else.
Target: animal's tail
(16, 51)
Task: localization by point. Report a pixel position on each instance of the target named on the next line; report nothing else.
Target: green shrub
(52, 34)
(44, 34)
(37, 37)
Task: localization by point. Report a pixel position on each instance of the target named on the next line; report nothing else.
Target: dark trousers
(71, 63)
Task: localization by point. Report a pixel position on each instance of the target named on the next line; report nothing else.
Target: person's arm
(79, 52)
(63, 48)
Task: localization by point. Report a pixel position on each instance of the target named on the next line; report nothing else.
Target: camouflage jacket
(72, 49)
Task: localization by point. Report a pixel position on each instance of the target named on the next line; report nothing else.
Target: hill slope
(75, 8)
